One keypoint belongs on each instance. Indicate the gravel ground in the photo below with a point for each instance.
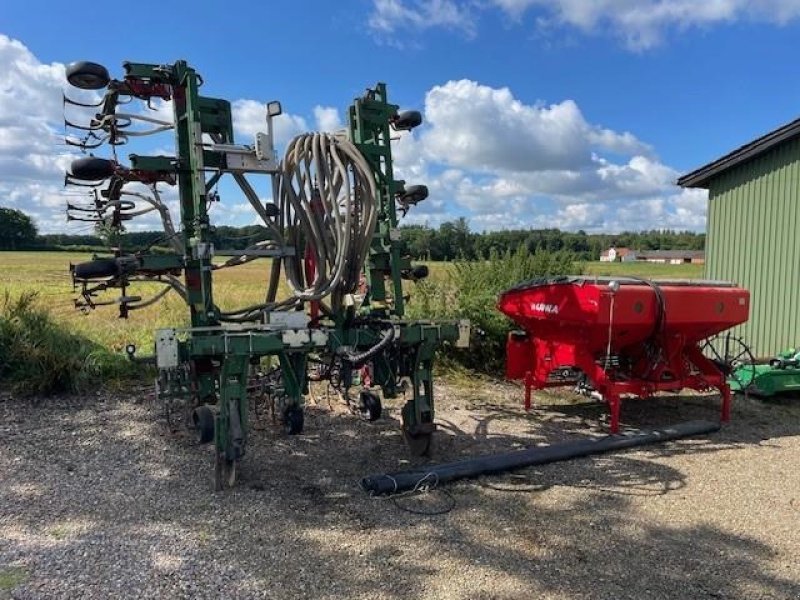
(100, 500)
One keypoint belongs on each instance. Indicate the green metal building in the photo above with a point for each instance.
(752, 238)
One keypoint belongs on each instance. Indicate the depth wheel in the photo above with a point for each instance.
(224, 473)
(87, 75)
(370, 407)
(293, 420)
(91, 168)
(203, 421)
(730, 354)
(420, 444)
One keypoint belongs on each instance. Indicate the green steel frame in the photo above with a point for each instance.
(212, 362)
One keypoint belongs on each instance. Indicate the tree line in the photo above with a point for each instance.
(454, 240)
(450, 241)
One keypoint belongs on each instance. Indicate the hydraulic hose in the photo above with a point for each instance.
(358, 359)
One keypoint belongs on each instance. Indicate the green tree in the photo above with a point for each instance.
(16, 230)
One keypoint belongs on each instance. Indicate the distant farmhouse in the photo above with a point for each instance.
(667, 257)
(614, 254)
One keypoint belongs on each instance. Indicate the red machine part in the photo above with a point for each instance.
(626, 336)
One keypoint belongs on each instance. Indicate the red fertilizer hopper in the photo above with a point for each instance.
(620, 335)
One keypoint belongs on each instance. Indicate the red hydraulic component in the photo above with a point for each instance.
(624, 336)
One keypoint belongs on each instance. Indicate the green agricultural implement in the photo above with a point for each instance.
(780, 376)
(329, 229)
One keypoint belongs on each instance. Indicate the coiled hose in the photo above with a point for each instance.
(327, 197)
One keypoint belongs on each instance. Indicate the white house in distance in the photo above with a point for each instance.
(615, 254)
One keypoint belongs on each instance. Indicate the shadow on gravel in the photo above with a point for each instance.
(100, 500)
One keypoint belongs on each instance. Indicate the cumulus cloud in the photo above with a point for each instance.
(250, 117)
(504, 163)
(327, 118)
(32, 160)
(482, 127)
(484, 154)
(640, 24)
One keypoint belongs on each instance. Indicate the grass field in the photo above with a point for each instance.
(48, 274)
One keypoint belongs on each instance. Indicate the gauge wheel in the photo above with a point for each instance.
(203, 421)
(729, 353)
(370, 406)
(87, 75)
(92, 168)
(293, 420)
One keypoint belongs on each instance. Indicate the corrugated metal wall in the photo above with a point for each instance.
(753, 221)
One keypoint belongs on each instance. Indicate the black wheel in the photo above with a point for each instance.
(293, 420)
(369, 406)
(203, 421)
(91, 168)
(87, 75)
(96, 269)
(420, 444)
(407, 120)
(729, 353)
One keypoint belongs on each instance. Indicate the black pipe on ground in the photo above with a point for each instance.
(498, 463)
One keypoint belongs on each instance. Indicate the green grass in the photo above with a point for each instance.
(440, 270)
(644, 269)
(12, 577)
(47, 273)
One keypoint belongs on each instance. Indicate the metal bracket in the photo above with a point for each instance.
(166, 349)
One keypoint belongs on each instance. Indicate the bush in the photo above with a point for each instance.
(39, 356)
(471, 290)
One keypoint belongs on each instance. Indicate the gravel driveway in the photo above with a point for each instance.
(98, 499)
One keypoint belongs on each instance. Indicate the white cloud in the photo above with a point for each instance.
(641, 24)
(481, 127)
(503, 163)
(327, 118)
(250, 117)
(483, 153)
(389, 16)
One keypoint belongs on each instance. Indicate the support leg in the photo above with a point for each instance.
(230, 430)
(725, 390)
(417, 414)
(528, 387)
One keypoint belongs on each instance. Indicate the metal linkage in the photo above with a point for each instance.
(330, 230)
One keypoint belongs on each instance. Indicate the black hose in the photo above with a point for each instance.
(498, 463)
(357, 360)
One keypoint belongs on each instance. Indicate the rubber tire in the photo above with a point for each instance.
(96, 269)
(91, 168)
(370, 406)
(203, 420)
(408, 120)
(293, 420)
(87, 75)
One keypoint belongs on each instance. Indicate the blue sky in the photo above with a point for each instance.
(563, 113)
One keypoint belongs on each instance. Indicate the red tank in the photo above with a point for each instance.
(622, 335)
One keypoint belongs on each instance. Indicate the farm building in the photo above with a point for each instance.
(614, 254)
(671, 257)
(668, 257)
(752, 235)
